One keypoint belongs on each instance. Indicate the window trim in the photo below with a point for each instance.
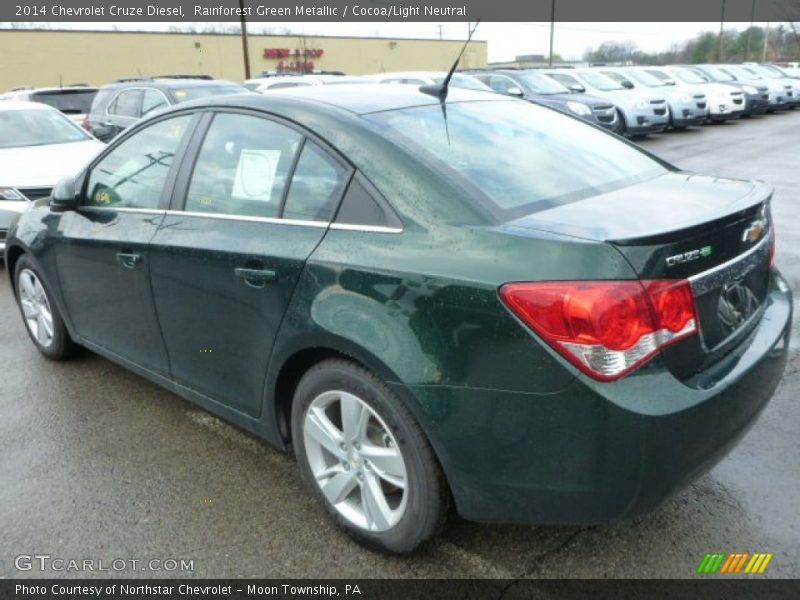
(192, 154)
(169, 182)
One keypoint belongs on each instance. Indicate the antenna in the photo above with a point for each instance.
(440, 91)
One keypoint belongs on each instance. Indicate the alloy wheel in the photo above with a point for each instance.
(35, 307)
(355, 460)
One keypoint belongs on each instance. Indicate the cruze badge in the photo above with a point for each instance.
(755, 232)
(689, 256)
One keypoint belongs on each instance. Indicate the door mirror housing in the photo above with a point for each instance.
(515, 91)
(65, 195)
(626, 84)
(577, 88)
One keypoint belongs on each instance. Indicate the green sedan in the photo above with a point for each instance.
(469, 303)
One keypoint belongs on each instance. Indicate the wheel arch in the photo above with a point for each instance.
(301, 357)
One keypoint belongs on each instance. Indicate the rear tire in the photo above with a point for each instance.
(40, 314)
(366, 458)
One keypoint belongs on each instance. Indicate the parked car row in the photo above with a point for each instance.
(650, 99)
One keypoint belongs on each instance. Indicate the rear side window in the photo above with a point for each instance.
(127, 104)
(153, 101)
(243, 167)
(133, 174)
(316, 186)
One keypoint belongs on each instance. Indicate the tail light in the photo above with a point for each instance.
(605, 328)
(86, 124)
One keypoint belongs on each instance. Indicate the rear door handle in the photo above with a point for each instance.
(129, 260)
(256, 278)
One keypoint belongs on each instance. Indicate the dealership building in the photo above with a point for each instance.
(40, 58)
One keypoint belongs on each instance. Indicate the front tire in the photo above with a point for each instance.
(39, 312)
(366, 458)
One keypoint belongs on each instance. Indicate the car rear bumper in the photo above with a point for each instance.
(595, 452)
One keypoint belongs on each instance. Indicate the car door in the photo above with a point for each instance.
(254, 199)
(102, 250)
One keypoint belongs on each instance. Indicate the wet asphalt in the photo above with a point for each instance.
(98, 463)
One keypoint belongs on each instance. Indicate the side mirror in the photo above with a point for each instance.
(65, 195)
(577, 88)
(626, 84)
(515, 91)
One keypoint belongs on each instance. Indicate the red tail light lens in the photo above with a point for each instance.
(605, 328)
(86, 124)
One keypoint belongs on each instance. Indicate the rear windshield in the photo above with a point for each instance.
(204, 91)
(19, 128)
(71, 102)
(517, 157)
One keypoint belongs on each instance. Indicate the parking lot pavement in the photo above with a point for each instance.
(99, 463)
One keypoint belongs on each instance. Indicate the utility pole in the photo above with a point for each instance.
(552, 30)
(245, 49)
(766, 44)
(750, 30)
(440, 26)
(721, 57)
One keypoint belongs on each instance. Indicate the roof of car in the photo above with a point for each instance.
(354, 98)
(23, 105)
(169, 83)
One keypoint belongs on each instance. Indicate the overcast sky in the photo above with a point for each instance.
(505, 40)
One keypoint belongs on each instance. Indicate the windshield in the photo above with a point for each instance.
(600, 81)
(719, 74)
(646, 79)
(462, 81)
(542, 84)
(517, 157)
(689, 76)
(204, 91)
(21, 128)
(743, 72)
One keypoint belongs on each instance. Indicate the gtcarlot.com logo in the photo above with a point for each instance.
(46, 562)
(736, 563)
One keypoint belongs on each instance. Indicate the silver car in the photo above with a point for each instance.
(687, 104)
(641, 112)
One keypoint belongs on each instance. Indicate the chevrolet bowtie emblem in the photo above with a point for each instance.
(755, 232)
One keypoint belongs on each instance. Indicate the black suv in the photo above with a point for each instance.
(541, 89)
(122, 103)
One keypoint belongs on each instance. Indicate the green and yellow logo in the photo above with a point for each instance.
(734, 563)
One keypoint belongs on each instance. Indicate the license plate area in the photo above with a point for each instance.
(730, 298)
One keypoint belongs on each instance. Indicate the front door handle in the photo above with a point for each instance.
(256, 278)
(129, 260)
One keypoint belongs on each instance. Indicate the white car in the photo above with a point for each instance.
(265, 84)
(75, 101)
(459, 80)
(38, 147)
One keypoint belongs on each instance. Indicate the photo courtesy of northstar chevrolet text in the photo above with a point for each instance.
(376, 292)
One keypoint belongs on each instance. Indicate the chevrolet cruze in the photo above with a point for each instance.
(431, 299)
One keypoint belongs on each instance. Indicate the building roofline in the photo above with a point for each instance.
(225, 33)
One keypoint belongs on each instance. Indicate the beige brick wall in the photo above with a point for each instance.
(50, 58)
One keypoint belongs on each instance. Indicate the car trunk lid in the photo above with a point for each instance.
(714, 232)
